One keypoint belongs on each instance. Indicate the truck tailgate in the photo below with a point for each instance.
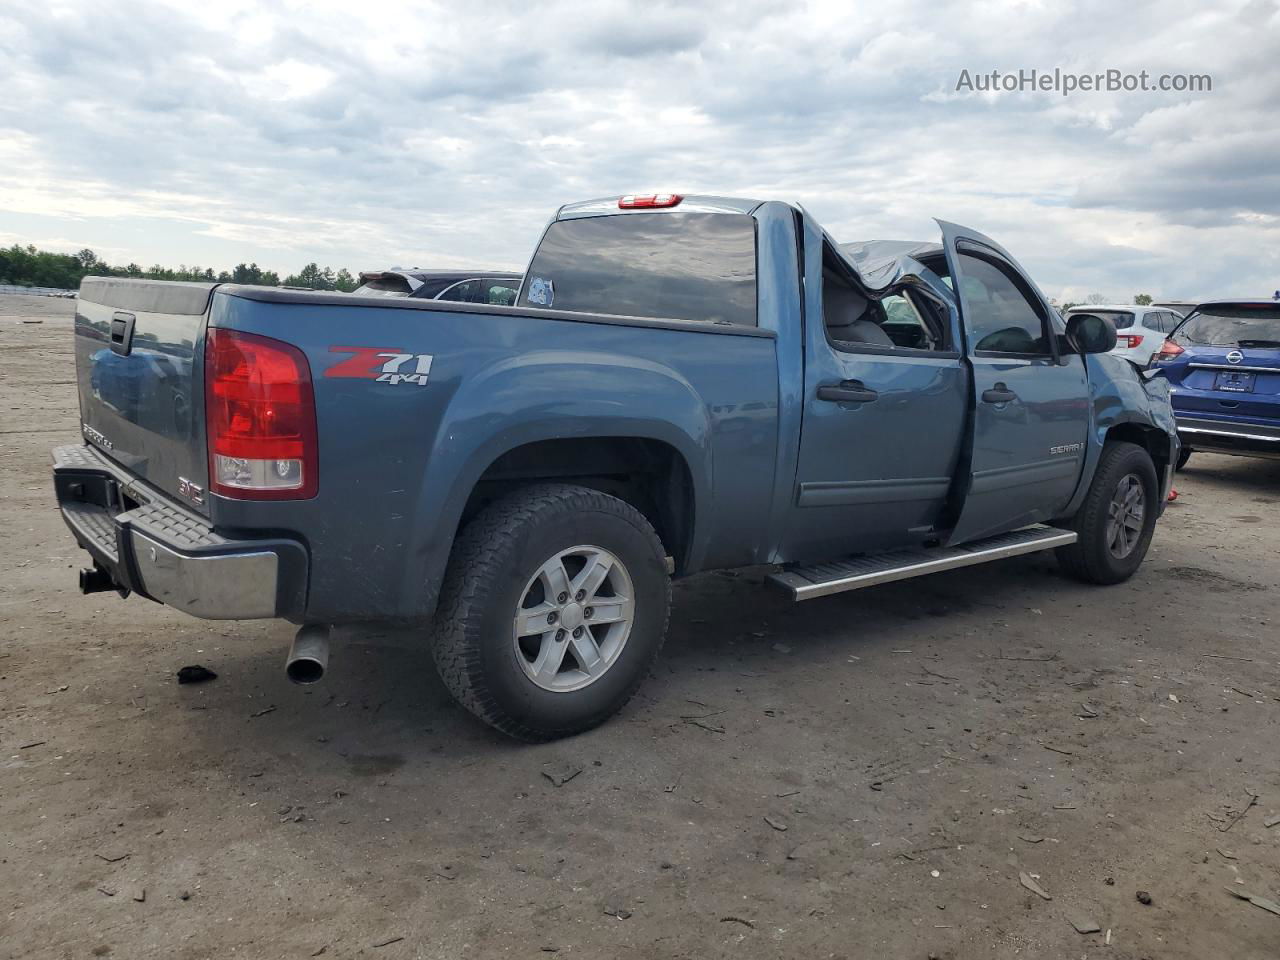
(139, 354)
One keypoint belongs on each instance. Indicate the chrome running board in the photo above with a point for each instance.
(808, 581)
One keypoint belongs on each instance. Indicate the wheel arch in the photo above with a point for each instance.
(524, 410)
(650, 474)
(1148, 436)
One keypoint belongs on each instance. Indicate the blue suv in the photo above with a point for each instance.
(1223, 367)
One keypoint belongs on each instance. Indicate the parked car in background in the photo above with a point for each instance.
(495, 288)
(1223, 368)
(1139, 330)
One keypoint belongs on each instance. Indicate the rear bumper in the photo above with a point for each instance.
(153, 547)
(1229, 436)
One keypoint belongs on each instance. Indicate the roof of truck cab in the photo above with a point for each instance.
(882, 263)
(879, 264)
(689, 203)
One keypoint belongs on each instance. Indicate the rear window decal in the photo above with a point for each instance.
(542, 292)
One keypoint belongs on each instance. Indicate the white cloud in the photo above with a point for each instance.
(447, 133)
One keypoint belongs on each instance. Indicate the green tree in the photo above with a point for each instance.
(312, 277)
(344, 281)
(1142, 299)
(246, 273)
(29, 266)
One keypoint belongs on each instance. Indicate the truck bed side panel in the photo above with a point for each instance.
(399, 460)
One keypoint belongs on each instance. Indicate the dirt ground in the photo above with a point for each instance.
(861, 776)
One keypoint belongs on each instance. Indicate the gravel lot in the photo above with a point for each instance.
(861, 776)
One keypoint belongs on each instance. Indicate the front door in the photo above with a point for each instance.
(1031, 401)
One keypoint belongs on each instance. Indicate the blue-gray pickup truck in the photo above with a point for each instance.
(683, 384)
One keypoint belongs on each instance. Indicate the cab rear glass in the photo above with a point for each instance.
(684, 266)
(1233, 326)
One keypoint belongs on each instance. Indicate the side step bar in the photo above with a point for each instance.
(807, 581)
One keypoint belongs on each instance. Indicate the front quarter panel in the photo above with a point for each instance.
(1120, 394)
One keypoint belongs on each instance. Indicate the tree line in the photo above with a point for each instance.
(29, 267)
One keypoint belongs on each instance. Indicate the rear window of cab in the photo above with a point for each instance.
(683, 266)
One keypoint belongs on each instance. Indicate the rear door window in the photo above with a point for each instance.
(685, 266)
(1256, 327)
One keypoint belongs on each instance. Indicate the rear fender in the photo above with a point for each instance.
(549, 395)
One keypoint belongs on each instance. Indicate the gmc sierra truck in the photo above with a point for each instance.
(683, 384)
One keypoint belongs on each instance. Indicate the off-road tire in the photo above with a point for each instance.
(1090, 558)
(491, 563)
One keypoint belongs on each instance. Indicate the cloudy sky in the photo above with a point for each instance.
(378, 133)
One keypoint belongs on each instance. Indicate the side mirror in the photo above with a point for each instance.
(1090, 333)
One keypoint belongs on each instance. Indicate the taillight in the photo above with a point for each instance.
(260, 417)
(1168, 350)
(1131, 340)
(632, 200)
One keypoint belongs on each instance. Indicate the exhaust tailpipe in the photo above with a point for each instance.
(309, 655)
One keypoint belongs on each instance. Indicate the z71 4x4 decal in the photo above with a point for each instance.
(383, 364)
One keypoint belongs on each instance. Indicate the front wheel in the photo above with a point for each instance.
(554, 606)
(1183, 456)
(1117, 518)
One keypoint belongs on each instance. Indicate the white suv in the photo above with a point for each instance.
(1139, 330)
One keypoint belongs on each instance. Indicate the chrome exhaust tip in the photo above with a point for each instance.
(309, 655)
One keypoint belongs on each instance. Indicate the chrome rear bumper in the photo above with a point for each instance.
(150, 546)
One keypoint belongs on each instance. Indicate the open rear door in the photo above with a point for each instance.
(1031, 405)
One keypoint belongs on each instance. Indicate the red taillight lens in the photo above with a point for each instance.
(1131, 340)
(633, 200)
(1168, 350)
(260, 417)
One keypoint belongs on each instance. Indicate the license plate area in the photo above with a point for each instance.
(1234, 381)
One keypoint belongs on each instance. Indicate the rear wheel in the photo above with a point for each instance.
(554, 607)
(1183, 456)
(1117, 518)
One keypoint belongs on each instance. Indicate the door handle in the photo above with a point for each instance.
(847, 391)
(998, 394)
